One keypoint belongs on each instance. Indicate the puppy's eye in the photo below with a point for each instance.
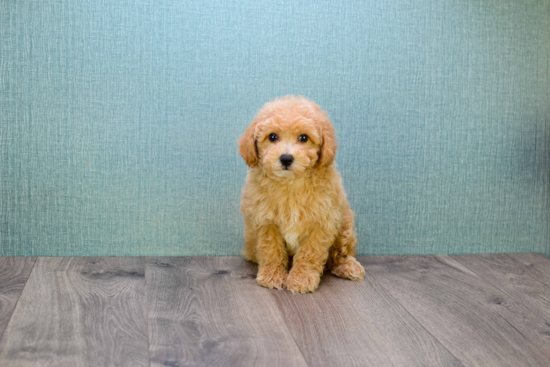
(302, 138)
(273, 137)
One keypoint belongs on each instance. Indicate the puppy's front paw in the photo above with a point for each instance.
(349, 268)
(303, 280)
(272, 277)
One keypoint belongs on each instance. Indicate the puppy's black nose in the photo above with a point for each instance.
(286, 160)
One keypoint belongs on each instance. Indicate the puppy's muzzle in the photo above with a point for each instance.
(286, 160)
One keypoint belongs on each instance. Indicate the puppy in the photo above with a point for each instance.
(293, 202)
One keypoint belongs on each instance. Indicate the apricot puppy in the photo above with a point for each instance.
(293, 202)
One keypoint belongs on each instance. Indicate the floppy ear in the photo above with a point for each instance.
(247, 146)
(329, 144)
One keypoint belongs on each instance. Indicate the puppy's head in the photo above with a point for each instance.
(289, 136)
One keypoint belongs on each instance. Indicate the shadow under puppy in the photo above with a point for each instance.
(293, 201)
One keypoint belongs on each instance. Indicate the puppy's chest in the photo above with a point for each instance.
(294, 219)
(289, 212)
(294, 212)
(292, 240)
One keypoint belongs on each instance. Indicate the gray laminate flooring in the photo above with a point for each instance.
(460, 310)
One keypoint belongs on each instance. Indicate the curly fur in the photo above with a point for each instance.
(300, 212)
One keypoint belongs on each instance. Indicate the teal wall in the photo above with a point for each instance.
(119, 120)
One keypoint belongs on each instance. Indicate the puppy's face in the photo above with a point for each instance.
(288, 146)
(288, 137)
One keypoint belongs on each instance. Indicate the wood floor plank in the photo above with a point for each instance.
(80, 312)
(348, 323)
(210, 312)
(479, 324)
(508, 275)
(537, 265)
(14, 272)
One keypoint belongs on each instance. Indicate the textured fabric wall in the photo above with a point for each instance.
(119, 120)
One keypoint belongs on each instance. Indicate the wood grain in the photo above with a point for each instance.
(472, 310)
(508, 275)
(349, 323)
(477, 322)
(14, 272)
(80, 312)
(211, 312)
(535, 264)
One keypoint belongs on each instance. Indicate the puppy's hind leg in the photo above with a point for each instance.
(341, 260)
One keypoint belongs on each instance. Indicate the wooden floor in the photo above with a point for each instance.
(464, 310)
